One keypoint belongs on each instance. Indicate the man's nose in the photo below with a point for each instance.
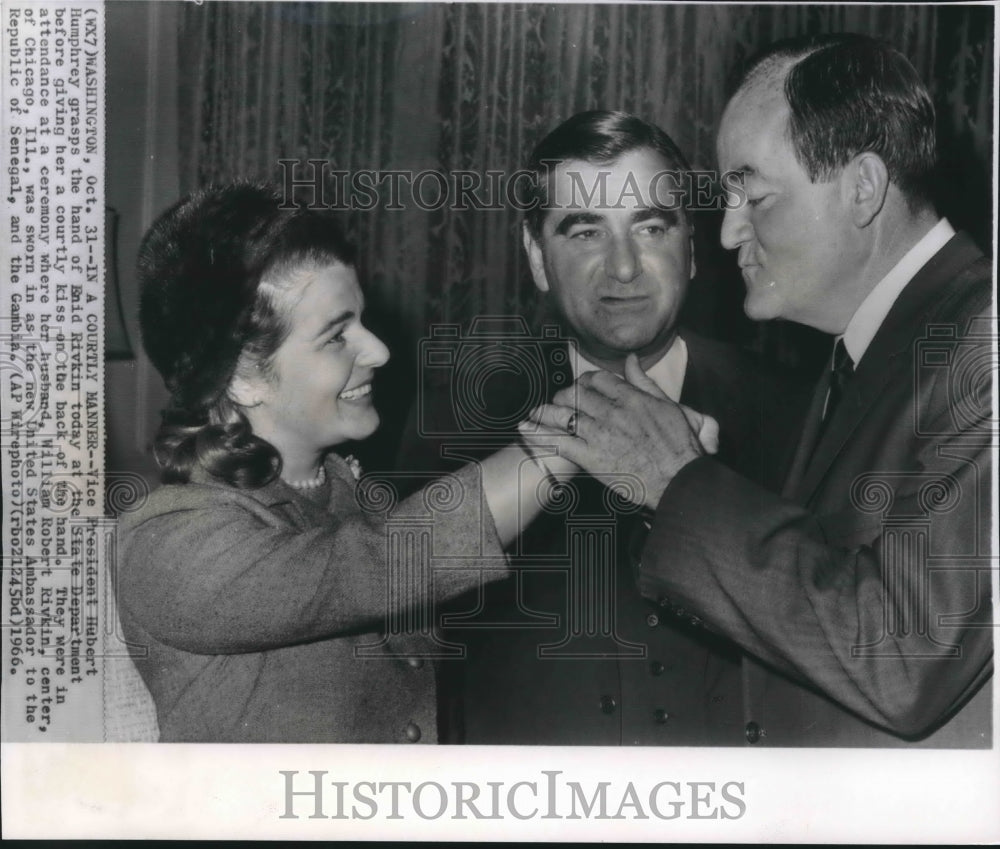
(623, 262)
(736, 227)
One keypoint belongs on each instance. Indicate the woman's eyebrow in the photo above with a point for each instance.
(347, 315)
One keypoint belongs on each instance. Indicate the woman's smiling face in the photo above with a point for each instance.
(316, 390)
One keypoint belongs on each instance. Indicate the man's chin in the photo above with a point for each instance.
(762, 304)
(616, 349)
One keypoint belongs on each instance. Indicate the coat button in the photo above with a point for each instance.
(664, 601)
(652, 620)
(415, 662)
(694, 620)
(412, 732)
(754, 732)
(656, 668)
(608, 704)
(660, 716)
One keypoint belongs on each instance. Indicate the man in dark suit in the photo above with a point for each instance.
(861, 597)
(568, 652)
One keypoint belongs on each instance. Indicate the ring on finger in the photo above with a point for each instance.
(571, 424)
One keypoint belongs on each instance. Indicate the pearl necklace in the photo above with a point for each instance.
(311, 483)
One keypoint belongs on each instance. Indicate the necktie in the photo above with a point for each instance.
(840, 373)
(836, 378)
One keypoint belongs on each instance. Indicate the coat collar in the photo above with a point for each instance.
(278, 494)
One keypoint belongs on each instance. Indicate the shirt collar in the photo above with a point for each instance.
(667, 372)
(868, 318)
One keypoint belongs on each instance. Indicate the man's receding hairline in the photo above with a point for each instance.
(769, 76)
(757, 91)
(766, 82)
(609, 163)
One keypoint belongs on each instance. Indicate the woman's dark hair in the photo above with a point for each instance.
(209, 272)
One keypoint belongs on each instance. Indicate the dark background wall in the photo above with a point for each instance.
(203, 92)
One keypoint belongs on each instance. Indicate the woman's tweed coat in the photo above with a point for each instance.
(263, 615)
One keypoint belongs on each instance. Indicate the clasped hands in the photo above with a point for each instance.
(608, 426)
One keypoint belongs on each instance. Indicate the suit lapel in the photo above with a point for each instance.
(888, 358)
(694, 382)
(710, 379)
(809, 437)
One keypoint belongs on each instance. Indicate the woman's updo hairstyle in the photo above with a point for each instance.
(204, 313)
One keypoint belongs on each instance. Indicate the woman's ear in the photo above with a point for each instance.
(244, 392)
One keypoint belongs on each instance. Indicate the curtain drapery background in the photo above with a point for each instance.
(453, 87)
(474, 86)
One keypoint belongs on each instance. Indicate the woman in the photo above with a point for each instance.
(257, 583)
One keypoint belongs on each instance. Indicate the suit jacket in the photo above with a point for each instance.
(265, 616)
(567, 652)
(862, 597)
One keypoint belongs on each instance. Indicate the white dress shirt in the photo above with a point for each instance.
(868, 318)
(667, 372)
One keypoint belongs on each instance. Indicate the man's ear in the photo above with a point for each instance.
(536, 260)
(694, 268)
(867, 184)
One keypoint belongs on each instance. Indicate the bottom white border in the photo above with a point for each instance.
(231, 791)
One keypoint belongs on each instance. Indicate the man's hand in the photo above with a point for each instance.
(624, 426)
(704, 425)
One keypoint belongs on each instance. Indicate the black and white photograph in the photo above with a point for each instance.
(596, 403)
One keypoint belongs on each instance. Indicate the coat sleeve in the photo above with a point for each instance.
(433, 442)
(217, 574)
(887, 611)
